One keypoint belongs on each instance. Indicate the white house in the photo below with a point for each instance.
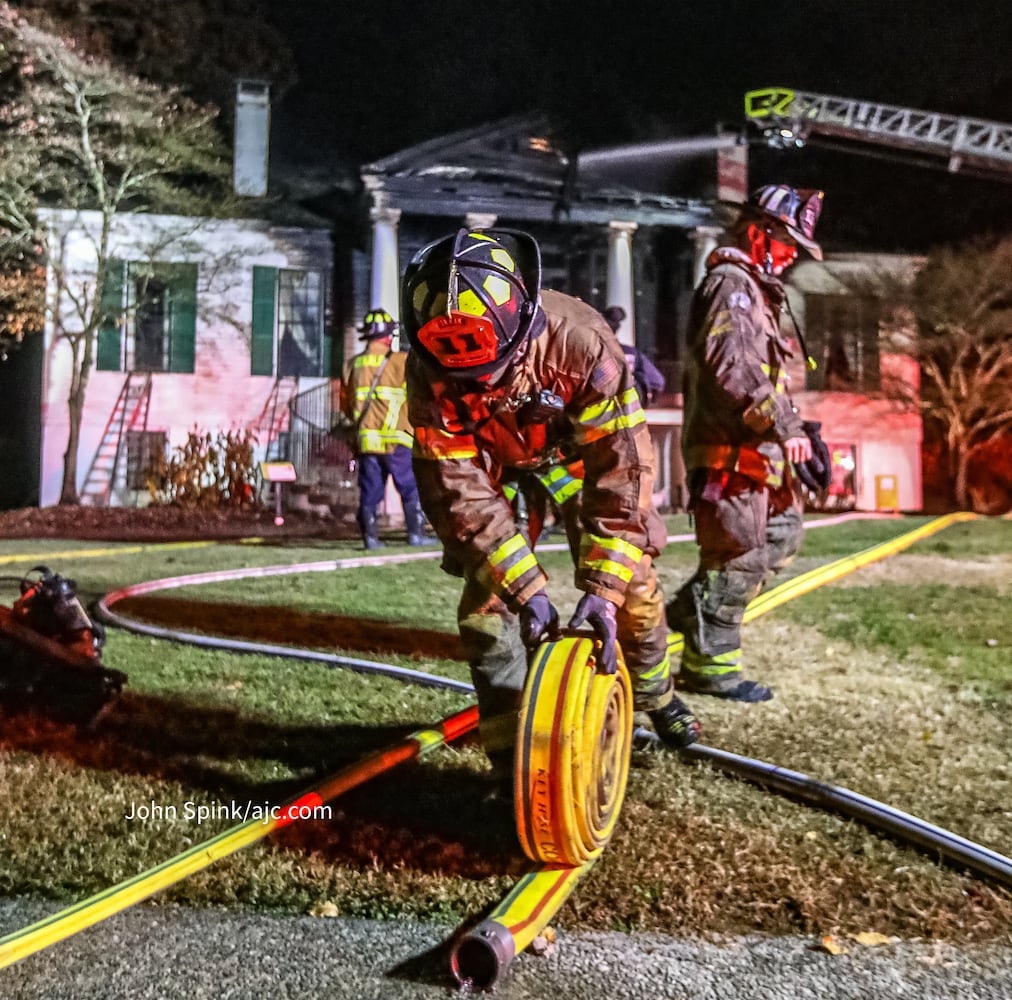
(863, 394)
(212, 324)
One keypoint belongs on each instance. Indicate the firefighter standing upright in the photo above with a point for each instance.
(373, 399)
(740, 436)
(506, 385)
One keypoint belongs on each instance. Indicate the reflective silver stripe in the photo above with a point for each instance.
(511, 561)
(560, 484)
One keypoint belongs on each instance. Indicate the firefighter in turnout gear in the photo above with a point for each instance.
(511, 387)
(740, 436)
(373, 400)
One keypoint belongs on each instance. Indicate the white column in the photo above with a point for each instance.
(620, 290)
(385, 279)
(705, 239)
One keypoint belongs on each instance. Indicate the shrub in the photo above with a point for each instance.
(207, 471)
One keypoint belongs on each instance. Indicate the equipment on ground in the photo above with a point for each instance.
(51, 653)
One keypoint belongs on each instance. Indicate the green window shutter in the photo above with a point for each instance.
(262, 346)
(182, 282)
(110, 330)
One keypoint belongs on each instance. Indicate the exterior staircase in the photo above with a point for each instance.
(324, 463)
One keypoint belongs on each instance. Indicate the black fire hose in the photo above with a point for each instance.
(874, 814)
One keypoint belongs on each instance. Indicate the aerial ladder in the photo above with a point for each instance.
(791, 118)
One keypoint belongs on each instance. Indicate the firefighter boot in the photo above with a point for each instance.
(414, 523)
(675, 724)
(368, 526)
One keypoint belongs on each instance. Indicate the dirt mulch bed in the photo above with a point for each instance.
(166, 523)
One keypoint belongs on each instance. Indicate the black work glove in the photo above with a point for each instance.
(538, 616)
(599, 614)
(817, 472)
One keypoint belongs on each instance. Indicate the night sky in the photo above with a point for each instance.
(376, 77)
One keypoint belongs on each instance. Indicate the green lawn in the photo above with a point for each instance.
(895, 682)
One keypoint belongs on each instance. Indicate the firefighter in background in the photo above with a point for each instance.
(740, 436)
(508, 385)
(373, 400)
(649, 381)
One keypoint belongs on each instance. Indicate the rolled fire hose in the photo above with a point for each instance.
(572, 759)
(574, 736)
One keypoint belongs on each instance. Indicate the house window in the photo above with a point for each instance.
(149, 317)
(288, 323)
(842, 334)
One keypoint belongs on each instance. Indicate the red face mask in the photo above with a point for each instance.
(770, 253)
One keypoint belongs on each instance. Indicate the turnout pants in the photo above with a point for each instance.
(491, 636)
(375, 469)
(746, 532)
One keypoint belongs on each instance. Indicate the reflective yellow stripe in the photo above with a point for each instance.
(369, 360)
(596, 411)
(379, 440)
(515, 572)
(623, 572)
(511, 561)
(507, 549)
(611, 415)
(620, 546)
(441, 446)
(719, 665)
(661, 670)
(389, 393)
(614, 556)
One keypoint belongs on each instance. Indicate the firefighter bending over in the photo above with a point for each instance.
(508, 384)
(740, 436)
(372, 398)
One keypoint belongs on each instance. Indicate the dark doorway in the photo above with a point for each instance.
(21, 424)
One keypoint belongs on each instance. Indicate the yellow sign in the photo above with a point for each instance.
(768, 101)
(278, 472)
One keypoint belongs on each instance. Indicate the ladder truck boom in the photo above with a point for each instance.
(791, 118)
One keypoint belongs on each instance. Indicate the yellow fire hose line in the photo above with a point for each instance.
(124, 550)
(121, 550)
(481, 956)
(63, 924)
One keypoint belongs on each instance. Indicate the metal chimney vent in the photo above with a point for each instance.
(252, 129)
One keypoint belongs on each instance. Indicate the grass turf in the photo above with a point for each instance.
(886, 683)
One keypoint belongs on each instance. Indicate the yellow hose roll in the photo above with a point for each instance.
(573, 743)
